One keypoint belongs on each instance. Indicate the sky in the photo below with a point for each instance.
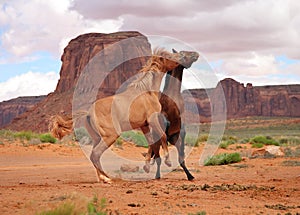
(252, 41)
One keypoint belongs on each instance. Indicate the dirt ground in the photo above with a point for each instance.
(36, 178)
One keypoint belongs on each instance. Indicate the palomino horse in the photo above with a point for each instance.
(172, 107)
(105, 120)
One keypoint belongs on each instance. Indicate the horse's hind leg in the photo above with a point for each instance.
(95, 156)
(155, 128)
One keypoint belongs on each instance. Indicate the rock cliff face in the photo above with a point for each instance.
(12, 108)
(79, 52)
(241, 101)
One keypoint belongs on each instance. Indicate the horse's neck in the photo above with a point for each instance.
(173, 81)
(157, 77)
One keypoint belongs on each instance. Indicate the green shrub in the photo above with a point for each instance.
(283, 141)
(191, 141)
(6, 134)
(224, 145)
(94, 207)
(245, 140)
(119, 142)
(64, 209)
(136, 137)
(257, 145)
(47, 138)
(202, 138)
(24, 135)
(81, 133)
(231, 139)
(267, 140)
(223, 159)
(198, 213)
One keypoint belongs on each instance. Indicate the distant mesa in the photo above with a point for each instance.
(33, 113)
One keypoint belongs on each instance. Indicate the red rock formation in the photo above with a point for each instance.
(12, 108)
(79, 52)
(241, 101)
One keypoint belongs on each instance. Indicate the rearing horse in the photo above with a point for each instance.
(172, 107)
(137, 107)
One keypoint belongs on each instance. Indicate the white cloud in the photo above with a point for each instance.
(253, 65)
(28, 84)
(32, 26)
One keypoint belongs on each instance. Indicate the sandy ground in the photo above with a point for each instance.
(41, 177)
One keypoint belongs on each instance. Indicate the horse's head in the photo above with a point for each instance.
(187, 58)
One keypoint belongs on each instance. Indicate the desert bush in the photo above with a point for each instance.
(245, 140)
(94, 207)
(231, 139)
(267, 140)
(64, 209)
(223, 159)
(224, 145)
(202, 138)
(136, 137)
(198, 213)
(191, 141)
(47, 138)
(119, 142)
(81, 133)
(257, 145)
(25, 135)
(7, 134)
(288, 152)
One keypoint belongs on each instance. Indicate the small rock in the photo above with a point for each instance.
(275, 150)
(129, 191)
(129, 168)
(154, 193)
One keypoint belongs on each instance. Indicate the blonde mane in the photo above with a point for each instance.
(157, 61)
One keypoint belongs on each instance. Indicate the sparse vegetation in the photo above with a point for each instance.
(257, 145)
(192, 141)
(47, 138)
(266, 140)
(198, 213)
(93, 207)
(28, 136)
(223, 159)
(81, 133)
(136, 137)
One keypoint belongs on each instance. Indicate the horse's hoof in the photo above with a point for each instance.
(168, 163)
(152, 161)
(105, 179)
(146, 168)
(191, 178)
(157, 177)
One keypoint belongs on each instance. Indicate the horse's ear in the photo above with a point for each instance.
(174, 51)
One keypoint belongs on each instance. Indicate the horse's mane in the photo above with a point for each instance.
(155, 64)
(157, 61)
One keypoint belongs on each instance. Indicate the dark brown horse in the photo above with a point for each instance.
(172, 107)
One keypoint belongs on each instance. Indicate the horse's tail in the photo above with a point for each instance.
(62, 125)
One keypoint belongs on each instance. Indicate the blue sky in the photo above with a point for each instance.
(254, 41)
